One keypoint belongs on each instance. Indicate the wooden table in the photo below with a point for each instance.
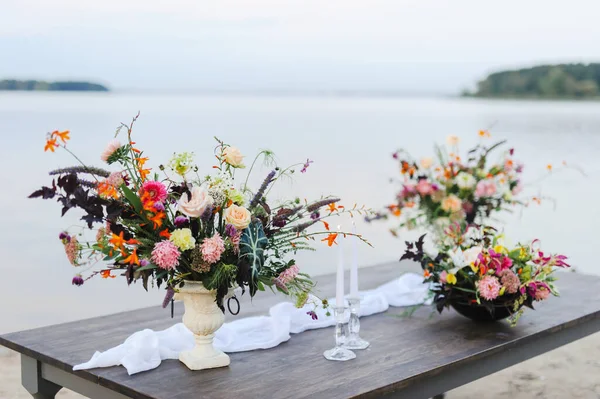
(416, 357)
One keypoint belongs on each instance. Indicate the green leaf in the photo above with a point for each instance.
(133, 199)
(149, 266)
(252, 250)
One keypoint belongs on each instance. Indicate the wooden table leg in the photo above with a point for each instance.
(31, 378)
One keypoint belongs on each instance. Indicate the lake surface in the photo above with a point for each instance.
(350, 140)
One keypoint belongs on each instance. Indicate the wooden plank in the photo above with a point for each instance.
(405, 352)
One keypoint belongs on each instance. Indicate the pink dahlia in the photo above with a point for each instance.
(289, 274)
(485, 188)
(165, 255)
(424, 187)
(538, 290)
(115, 179)
(542, 293)
(235, 240)
(212, 248)
(488, 287)
(510, 281)
(110, 149)
(154, 191)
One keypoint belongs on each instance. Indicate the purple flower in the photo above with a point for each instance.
(180, 221)
(168, 296)
(306, 165)
(64, 236)
(77, 280)
(315, 215)
(144, 262)
(313, 315)
(395, 155)
(159, 206)
(279, 222)
(230, 230)
(511, 151)
(519, 168)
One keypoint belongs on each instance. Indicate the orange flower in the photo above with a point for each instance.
(106, 274)
(141, 161)
(144, 173)
(395, 209)
(157, 219)
(132, 241)
(64, 136)
(326, 225)
(51, 144)
(330, 239)
(106, 190)
(549, 167)
(484, 133)
(165, 233)
(426, 273)
(117, 240)
(332, 207)
(132, 259)
(148, 205)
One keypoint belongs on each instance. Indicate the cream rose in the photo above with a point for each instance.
(451, 203)
(233, 157)
(452, 140)
(196, 205)
(238, 216)
(426, 162)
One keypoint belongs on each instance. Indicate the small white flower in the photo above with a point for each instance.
(465, 181)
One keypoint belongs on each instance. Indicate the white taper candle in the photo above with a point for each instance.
(339, 287)
(354, 265)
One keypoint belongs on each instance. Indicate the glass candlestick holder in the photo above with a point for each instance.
(353, 339)
(339, 353)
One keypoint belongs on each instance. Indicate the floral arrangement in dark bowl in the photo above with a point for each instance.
(197, 236)
(482, 279)
(452, 188)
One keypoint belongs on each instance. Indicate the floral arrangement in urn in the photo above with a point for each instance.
(483, 280)
(189, 233)
(451, 188)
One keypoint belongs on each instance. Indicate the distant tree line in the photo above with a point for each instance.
(31, 85)
(545, 81)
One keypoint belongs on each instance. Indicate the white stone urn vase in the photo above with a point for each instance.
(203, 317)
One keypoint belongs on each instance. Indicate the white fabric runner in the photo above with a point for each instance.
(144, 350)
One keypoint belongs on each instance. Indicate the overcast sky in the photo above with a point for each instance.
(405, 45)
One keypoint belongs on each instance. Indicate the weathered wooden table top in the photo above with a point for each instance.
(408, 356)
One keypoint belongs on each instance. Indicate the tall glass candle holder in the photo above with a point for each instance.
(339, 353)
(353, 340)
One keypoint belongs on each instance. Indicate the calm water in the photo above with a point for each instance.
(350, 140)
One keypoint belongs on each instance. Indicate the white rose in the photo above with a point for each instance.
(426, 162)
(233, 157)
(471, 254)
(195, 206)
(465, 181)
(458, 258)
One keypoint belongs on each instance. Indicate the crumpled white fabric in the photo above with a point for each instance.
(144, 350)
